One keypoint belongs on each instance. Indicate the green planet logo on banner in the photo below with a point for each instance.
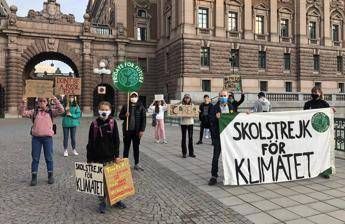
(128, 77)
(320, 122)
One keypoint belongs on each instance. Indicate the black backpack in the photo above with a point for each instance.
(50, 112)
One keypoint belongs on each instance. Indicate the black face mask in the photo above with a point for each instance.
(314, 96)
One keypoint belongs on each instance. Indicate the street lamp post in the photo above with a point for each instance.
(102, 71)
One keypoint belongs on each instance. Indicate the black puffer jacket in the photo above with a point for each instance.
(140, 117)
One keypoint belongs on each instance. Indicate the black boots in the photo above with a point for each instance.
(50, 178)
(33, 179)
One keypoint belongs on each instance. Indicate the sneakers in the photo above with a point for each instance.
(75, 152)
(193, 156)
(157, 141)
(138, 167)
(199, 143)
(184, 156)
(120, 205)
(33, 179)
(102, 207)
(212, 181)
(50, 178)
(65, 153)
(165, 142)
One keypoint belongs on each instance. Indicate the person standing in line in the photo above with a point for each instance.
(187, 124)
(70, 122)
(221, 107)
(317, 102)
(103, 145)
(234, 104)
(42, 132)
(159, 107)
(136, 117)
(204, 109)
(262, 104)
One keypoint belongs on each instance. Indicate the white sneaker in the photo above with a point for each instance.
(75, 152)
(165, 141)
(157, 141)
(65, 153)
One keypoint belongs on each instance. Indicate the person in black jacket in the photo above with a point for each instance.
(103, 144)
(136, 117)
(317, 102)
(234, 104)
(204, 109)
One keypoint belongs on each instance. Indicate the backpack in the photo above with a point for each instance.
(96, 128)
(50, 112)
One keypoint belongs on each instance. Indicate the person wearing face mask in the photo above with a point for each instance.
(70, 122)
(221, 107)
(317, 102)
(136, 117)
(234, 104)
(103, 145)
(204, 109)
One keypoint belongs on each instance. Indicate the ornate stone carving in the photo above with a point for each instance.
(121, 31)
(51, 12)
(12, 17)
(87, 23)
(142, 4)
(337, 4)
(315, 3)
(51, 44)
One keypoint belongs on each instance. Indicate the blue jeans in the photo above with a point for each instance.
(37, 143)
(66, 132)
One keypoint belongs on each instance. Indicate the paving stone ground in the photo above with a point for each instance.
(163, 195)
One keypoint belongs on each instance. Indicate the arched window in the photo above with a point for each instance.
(142, 25)
(233, 18)
(336, 28)
(261, 15)
(285, 24)
(141, 13)
(314, 25)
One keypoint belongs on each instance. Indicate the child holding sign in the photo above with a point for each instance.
(103, 144)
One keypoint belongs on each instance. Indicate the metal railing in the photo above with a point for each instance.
(339, 128)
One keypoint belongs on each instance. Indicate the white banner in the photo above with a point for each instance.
(276, 146)
(89, 178)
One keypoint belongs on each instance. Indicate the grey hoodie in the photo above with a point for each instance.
(262, 105)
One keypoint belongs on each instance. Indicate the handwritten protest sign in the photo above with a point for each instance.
(233, 83)
(276, 146)
(119, 182)
(67, 86)
(183, 110)
(39, 88)
(89, 178)
(159, 97)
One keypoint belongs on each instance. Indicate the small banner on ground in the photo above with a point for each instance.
(233, 83)
(39, 88)
(119, 182)
(183, 110)
(67, 86)
(89, 178)
(277, 146)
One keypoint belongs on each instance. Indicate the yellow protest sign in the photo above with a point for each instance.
(183, 110)
(39, 88)
(119, 181)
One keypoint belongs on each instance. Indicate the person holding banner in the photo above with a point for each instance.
(159, 107)
(221, 107)
(187, 124)
(103, 144)
(134, 124)
(204, 109)
(317, 102)
(234, 104)
(70, 122)
(42, 132)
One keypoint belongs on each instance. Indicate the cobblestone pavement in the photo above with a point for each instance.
(162, 195)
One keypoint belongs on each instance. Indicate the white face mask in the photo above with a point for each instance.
(71, 100)
(134, 99)
(104, 114)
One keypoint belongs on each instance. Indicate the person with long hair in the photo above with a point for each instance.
(70, 122)
(187, 124)
(158, 107)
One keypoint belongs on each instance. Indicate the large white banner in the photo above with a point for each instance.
(276, 146)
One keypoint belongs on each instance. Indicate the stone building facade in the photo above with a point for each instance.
(183, 46)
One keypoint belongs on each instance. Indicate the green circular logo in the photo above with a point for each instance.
(320, 122)
(128, 77)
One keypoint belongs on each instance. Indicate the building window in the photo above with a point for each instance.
(205, 56)
(284, 28)
(168, 27)
(232, 20)
(141, 13)
(339, 63)
(263, 86)
(316, 62)
(141, 33)
(288, 87)
(203, 18)
(287, 61)
(262, 59)
(235, 58)
(312, 30)
(259, 25)
(318, 84)
(206, 85)
(143, 64)
(341, 87)
(335, 32)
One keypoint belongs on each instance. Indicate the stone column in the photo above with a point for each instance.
(248, 20)
(301, 22)
(121, 98)
(219, 19)
(188, 17)
(274, 21)
(86, 78)
(121, 15)
(326, 24)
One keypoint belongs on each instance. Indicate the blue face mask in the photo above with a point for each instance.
(223, 100)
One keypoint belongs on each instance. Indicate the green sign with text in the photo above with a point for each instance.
(128, 77)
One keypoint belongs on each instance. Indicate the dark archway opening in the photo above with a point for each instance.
(2, 102)
(103, 92)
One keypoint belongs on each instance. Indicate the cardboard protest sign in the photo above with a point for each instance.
(276, 146)
(39, 88)
(89, 178)
(233, 83)
(119, 182)
(67, 86)
(183, 110)
(159, 97)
